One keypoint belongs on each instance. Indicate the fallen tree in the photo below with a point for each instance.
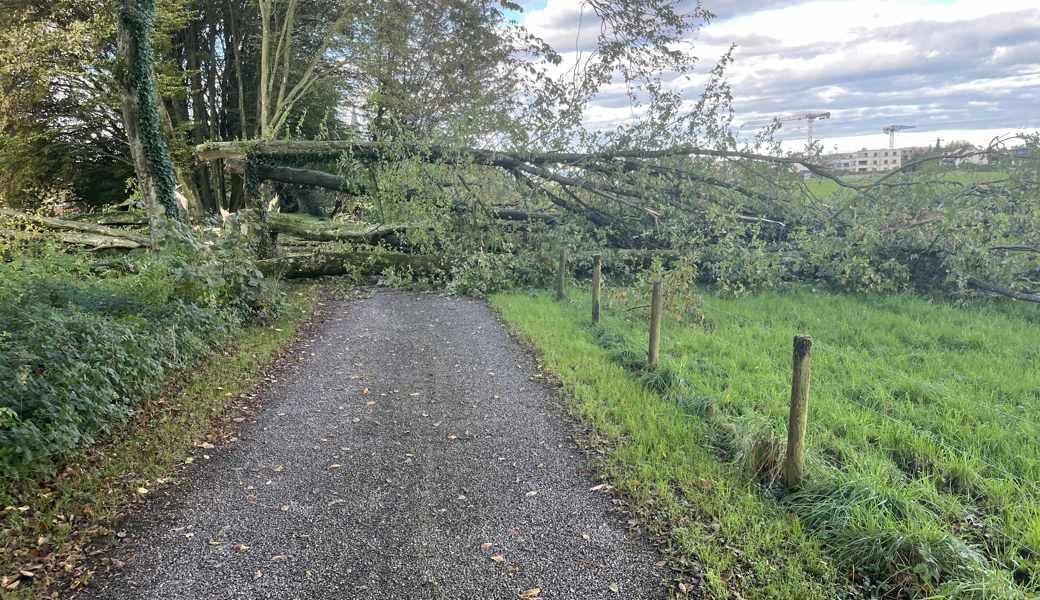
(336, 183)
(749, 219)
(360, 263)
(80, 233)
(329, 231)
(87, 240)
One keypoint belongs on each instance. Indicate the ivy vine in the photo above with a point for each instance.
(138, 20)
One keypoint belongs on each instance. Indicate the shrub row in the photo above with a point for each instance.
(79, 352)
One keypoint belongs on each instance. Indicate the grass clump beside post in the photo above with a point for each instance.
(923, 460)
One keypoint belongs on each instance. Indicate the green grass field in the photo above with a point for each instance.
(923, 460)
(821, 188)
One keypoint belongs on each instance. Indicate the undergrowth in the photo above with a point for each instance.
(51, 523)
(82, 345)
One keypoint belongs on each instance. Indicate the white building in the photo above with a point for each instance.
(886, 159)
(869, 161)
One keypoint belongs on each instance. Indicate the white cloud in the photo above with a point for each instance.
(950, 67)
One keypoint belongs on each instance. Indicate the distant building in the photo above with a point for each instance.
(886, 159)
(868, 161)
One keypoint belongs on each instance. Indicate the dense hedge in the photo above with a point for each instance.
(78, 352)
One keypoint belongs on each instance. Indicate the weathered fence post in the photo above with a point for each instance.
(561, 282)
(656, 308)
(794, 464)
(597, 283)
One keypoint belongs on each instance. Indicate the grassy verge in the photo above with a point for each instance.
(48, 525)
(923, 451)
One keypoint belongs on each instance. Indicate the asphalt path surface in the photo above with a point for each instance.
(406, 451)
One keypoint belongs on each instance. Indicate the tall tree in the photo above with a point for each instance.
(156, 180)
(293, 59)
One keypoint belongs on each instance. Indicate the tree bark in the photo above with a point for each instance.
(151, 156)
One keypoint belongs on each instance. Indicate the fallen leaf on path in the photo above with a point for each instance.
(615, 588)
(142, 491)
(486, 546)
(213, 542)
(334, 466)
(279, 468)
(284, 508)
(452, 436)
(532, 593)
(603, 487)
(364, 392)
(498, 558)
(370, 403)
(243, 548)
(531, 493)
(279, 557)
(259, 574)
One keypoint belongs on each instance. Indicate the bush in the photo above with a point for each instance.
(79, 351)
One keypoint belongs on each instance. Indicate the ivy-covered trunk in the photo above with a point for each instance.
(155, 176)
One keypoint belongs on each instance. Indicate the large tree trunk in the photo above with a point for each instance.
(327, 231)
(349, 263)
(328, 181)
(155, 176)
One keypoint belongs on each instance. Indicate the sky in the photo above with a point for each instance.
(954, 69)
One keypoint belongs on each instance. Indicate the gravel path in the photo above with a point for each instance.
(453, 477)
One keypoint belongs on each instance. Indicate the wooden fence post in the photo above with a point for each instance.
(561, 282)
(794, 464)
(656, 308)
(597, 283)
